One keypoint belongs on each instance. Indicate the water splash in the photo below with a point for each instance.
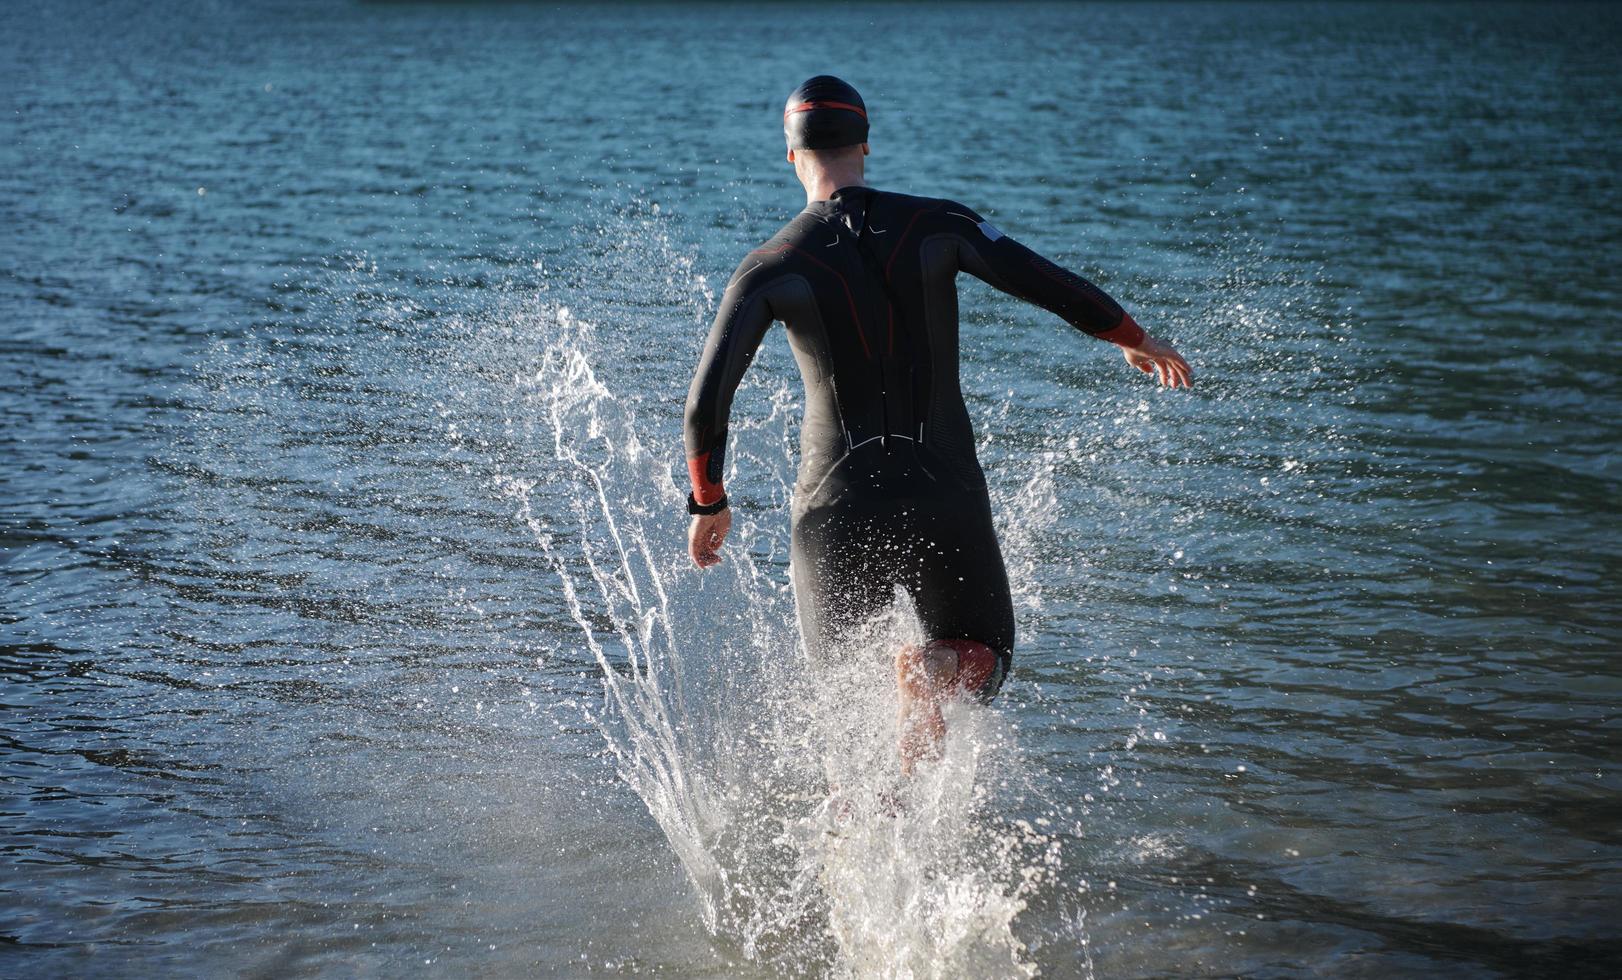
(775, 783)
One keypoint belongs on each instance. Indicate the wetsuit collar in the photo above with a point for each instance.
(841, 196)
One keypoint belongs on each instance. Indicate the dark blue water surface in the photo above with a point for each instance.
(1318, 662)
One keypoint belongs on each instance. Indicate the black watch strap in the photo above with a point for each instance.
(694, 507)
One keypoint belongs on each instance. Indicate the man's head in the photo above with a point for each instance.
(825, 125)
(824, 113)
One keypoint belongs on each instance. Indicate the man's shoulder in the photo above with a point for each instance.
(773, 256)
(791, 233)
(945, 208)
(915, 202)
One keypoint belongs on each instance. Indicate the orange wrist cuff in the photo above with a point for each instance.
(1127, 333)
(704, 490)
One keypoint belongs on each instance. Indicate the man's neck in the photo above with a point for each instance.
(822, 186)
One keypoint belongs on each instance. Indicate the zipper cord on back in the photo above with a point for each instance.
(871, 261)
(876, 270)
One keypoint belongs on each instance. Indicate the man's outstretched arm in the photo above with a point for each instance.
(987, 254)
(739, 326)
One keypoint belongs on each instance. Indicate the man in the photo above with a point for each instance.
(889, 490)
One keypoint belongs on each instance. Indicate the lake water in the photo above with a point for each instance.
(347, 627)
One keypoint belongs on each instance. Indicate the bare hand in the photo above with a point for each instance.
(706, 535)
(1161, 359)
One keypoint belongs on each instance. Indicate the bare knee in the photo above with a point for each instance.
(949, 667)
(926, 670)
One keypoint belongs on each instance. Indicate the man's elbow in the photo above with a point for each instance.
(695, 415)
(698, 421)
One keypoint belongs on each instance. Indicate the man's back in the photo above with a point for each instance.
(890, 495)
(866, 284)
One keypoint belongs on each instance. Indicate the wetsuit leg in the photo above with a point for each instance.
(961, 591)
(843, 567)
(848, 558)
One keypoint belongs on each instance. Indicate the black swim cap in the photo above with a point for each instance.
(824, 113)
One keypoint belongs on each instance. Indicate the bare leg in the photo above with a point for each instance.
(924, 677)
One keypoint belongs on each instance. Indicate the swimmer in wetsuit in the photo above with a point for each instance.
(889, 491)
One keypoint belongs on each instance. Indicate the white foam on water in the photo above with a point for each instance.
(775, 782)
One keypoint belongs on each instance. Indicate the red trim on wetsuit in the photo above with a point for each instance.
(976, 665)
(904, 233)
(855, 317)
(894, 254)
(704, 490)
(808, 106)
(1127, 333)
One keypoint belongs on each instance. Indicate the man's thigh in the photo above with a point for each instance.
(843, 567)
(962, 590)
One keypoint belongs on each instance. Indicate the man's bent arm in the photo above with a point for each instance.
(987, 254)
(739, 326)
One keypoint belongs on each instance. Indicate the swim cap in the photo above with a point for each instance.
(824, 113)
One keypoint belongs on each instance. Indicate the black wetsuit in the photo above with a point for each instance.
(889, 490)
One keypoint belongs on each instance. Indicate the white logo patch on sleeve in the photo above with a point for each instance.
(989, 230)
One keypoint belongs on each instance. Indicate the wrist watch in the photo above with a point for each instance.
(694, 507)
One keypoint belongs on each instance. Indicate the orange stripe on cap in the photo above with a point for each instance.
(808, 106)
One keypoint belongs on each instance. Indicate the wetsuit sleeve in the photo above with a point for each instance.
(987, 254)
(740, 324)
